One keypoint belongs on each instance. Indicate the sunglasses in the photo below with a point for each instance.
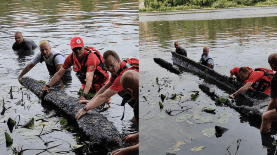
(111, 66)
(42, 42)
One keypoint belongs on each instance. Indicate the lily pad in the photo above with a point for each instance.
(41, 81)
(208, 132)
(149, 116)
(176, 147)
(173, 96)
(162, 115)
(210, 108)
(222, 120)
(226, 114)
(77, 146)
(161, 105)
(204, 119)
(183, 118)
(63, 122)
(197, 148)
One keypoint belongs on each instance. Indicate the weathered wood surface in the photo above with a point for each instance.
(93, 124)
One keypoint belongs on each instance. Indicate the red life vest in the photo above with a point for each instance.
(130, 63)
(99, 74)
(264, 83)
(127, 98)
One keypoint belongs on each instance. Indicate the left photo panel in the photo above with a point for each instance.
(69, 75)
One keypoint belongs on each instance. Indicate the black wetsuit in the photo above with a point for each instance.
(26, 45)
(181, 51)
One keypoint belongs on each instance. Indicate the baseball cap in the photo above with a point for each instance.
(76, 42)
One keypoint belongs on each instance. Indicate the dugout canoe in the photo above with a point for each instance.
(101, 132)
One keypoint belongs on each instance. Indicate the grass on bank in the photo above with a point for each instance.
(154, 5)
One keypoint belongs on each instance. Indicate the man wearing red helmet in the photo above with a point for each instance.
(87, 62)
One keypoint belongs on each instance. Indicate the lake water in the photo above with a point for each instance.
(236, 37)
(104, 25)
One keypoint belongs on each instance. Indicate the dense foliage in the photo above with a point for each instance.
(162, 5)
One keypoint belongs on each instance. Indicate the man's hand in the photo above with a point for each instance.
(122, 151)
(131, 139)
(80, 113)
(44, 91)
(232, 96)
(83, 101)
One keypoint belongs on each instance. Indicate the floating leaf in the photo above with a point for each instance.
(273, 143)
(226, 114)
(225, 96)
(206, 71)
(222, 120)
(208, 132)
(176, 147)
(210, 108)
(212, 90)
(173, 96)
(197, 148)
(149, 116)
(162, 97)
(161, 105)
(11, 123)
(41, 81)
(162, 115)
(63, 122)
(206, 119)
(183, 117)
(189, 122)
(8, 138)
(77, 146)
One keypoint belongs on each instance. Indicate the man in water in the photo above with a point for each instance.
(180, 50)
(53, 60)
(87, 62)
(206, 58)
(130, 83)
(259, 80)
(271, 112)
(116, 67)
(235, 72)
(23, 44)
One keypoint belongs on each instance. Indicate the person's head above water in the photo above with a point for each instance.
(176, 45)
(130, 82)
(206, 51)
(18, 37)
(45, 48)
(244, 73)
(111, 61)
(272, 60)
(78, 47)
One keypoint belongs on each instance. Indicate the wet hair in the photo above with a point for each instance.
(112, 53)
(244, 70)
(17, 32)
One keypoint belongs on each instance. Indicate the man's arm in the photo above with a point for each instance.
(25, 70)
(99, 100)
(242, 89)
(54, 80)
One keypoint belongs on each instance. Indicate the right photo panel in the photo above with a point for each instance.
(207, 83)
